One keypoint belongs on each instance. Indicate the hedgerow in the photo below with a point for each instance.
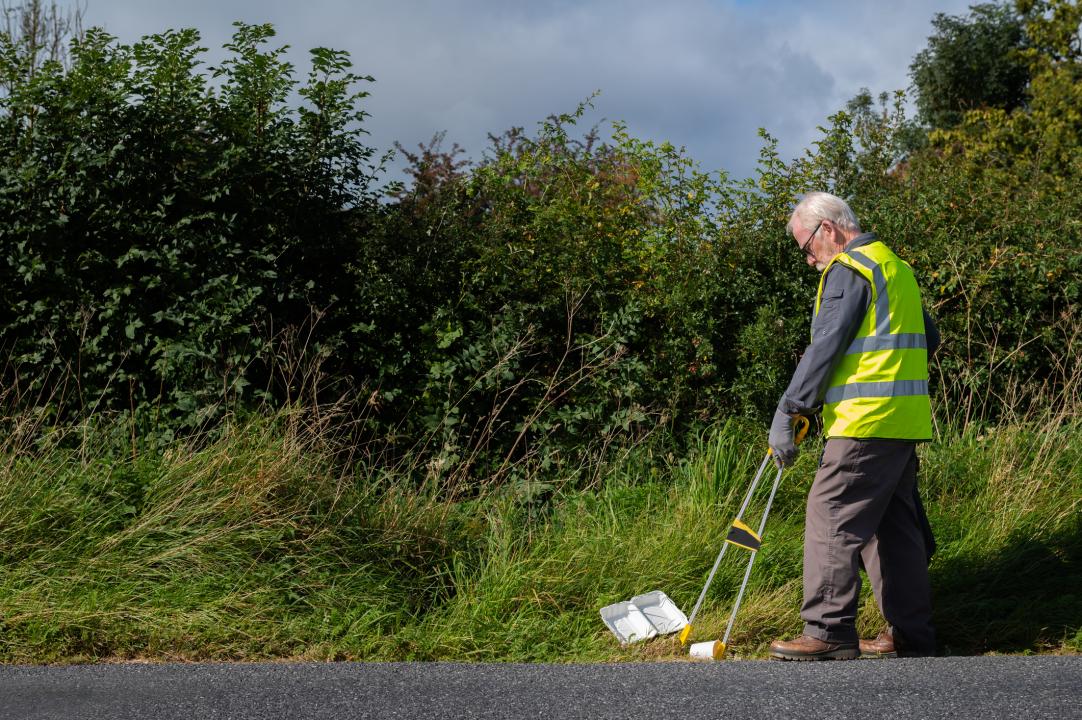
(179, 241)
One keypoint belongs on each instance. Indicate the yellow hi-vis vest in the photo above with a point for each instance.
(880, 387)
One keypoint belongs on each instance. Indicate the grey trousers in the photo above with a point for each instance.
(862, 511)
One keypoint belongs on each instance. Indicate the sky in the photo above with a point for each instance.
(702, 74)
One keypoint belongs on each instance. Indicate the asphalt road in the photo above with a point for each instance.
(971, 687)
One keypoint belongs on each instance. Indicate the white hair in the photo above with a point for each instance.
(818, 206)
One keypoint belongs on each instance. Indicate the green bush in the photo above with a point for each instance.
(162, 227)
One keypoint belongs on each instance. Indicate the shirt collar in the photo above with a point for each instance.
(860, 240)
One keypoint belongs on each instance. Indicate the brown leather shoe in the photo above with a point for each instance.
(881, 647)
(809, 648)
(887, 645)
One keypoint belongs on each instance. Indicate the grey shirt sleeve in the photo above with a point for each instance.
(846, 296)
(931, 333)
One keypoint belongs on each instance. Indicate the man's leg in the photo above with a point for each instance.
(851, 492)
(869, 560)
(896, 561)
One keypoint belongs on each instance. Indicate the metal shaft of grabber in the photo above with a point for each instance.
(751, 560)
(725, 545)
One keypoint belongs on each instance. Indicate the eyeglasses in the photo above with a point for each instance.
(804, 247)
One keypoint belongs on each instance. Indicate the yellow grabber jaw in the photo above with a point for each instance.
(684, 634)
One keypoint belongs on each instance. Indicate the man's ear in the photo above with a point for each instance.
(836, 234)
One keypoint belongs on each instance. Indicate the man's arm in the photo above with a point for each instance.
(931, 333)
(846, 296)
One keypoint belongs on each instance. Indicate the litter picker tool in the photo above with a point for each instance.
(741, 535)
(653, 613)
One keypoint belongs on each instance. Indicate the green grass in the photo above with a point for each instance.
(260, 545)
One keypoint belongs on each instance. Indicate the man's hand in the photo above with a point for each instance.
(781, 440)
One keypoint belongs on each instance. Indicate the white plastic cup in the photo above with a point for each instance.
(706, 650)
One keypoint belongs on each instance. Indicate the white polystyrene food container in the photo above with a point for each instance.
(660, 611)
(644, 617)
(627, 622)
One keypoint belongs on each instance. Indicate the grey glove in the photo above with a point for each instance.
(781, 440)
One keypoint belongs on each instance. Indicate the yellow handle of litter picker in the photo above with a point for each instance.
(802, 425)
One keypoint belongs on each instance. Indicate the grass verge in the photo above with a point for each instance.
(263, 544)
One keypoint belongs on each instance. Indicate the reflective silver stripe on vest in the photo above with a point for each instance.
(901, 341)
(897, 388)
(882, 301)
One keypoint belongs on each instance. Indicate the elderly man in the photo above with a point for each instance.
(866, 369)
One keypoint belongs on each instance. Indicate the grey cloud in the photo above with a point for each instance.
(697, 73)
